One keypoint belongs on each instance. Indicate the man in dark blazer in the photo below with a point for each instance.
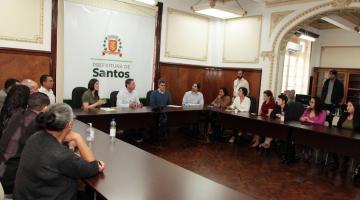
(332, 92)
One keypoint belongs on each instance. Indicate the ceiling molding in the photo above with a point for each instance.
(276, 3)
(276, 17)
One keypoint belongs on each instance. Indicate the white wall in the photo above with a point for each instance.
(22, 21)
(216, 34)
(335, 38)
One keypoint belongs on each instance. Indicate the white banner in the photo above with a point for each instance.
(108, 45)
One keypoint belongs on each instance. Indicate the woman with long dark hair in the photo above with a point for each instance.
(351, 118)
(16, 99)
(315, 114)
(90, 98)
(223, 99)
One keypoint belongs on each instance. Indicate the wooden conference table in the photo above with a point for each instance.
(133, 174)
(331, 139)
(144, 117)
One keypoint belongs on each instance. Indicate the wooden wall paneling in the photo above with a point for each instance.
(53, 57)
(21, 64)
(180, 78)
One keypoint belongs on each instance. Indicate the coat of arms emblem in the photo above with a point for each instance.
(112, 46)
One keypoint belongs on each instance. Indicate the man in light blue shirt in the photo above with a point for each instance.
(128, 98)
(193, 97)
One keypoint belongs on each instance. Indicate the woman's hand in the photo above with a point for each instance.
(101, 166)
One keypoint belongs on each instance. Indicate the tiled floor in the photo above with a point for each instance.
(259, 174)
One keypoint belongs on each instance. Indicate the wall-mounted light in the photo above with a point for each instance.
(218, 8)
(306, 35)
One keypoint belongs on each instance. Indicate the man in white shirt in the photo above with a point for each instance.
(193, 97)
(47, 84)
(128, 98)
(240, 81)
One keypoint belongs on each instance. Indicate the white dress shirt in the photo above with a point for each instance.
(49, 93)
(124, 98)
(240, 83)
(193, 98)
(243, 106)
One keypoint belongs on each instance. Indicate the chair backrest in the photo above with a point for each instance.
(76, 97)
(253, 105)
(113, 98)
(294, 111)
(148, 94)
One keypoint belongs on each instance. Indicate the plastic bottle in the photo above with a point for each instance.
(282, 118)
(112, 130)
(90, 133)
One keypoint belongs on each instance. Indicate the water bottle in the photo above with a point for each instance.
(90, 133)
(112, 129)
(282, 118)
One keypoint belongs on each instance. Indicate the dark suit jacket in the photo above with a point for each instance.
(337, 93)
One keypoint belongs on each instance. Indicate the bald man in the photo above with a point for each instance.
(33, 86)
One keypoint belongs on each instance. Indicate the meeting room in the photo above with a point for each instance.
(179, 99)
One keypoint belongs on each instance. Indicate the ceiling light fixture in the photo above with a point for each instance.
(306, 35)
(150, 2)
(218, 8)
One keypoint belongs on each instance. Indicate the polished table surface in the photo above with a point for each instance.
(145, 109)
(144, 117)
(133, 174)
(332, 139)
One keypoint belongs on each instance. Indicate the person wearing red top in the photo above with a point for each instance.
(266, 108)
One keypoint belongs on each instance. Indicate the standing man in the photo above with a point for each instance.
(128, 98)
(332, 92)
(160, 97)
(194, 96)
(47, 83)
(239, 82)
(3, 93)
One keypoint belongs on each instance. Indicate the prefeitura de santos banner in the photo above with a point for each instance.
(108, 45)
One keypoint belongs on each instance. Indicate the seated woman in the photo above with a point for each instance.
(15, 100)
(276, 113)
(55, 171)
(223, 99)
(20, 127)
(315, 113)
(351, 118)
(241, 103)
(266, 108)
(90, 98)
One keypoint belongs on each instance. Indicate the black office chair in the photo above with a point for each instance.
(253, 105)
(76, 96)
(147, 101)
(294, 111)
(113, 98)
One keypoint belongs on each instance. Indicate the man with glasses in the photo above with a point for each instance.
(160, 97)
(193, 97)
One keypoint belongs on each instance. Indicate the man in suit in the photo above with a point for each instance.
(332, 92)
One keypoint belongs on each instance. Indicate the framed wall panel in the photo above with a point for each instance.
(187, 36)
(23, 20)
(340, 56)
(242, 40)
